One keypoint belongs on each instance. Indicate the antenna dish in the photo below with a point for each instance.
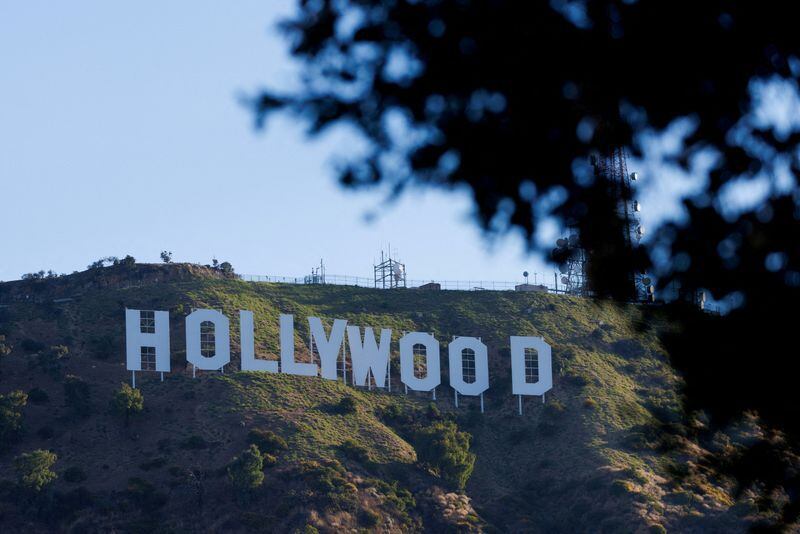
(564, 280)
(561, 242)
(634, 176)
(637, 206)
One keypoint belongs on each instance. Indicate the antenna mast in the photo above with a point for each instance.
(613, 168)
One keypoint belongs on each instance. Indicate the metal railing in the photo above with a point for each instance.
(345, 280)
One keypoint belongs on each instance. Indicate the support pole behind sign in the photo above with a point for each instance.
(162, 376)
(456, 392)
(481, 402)
(133, 379)
(434, 393)
(542, 398)
(520, 404)
(194, 371)
(344, 362)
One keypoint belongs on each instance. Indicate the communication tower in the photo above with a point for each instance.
(317, 275)
(613, 169)
(389, 273)
(573, 270)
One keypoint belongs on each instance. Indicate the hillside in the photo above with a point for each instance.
(609, 451)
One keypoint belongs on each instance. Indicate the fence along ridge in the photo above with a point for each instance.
(335, 279)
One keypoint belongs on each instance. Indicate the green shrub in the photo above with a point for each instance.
(267, 440)
(59, 351)
(600, 334)
(554, 409)
(329, 482)
(576, 379)
(246, 471)
(38, 396)
(446, 450)
(33, 469)
(399, 499)
(391, 412)
(74, 474)
(77, 395)
(51, 360)
(621, 487)
(369, 518)
(127, 401)
(354, 451)
(5, 349)
(347, 405)
(11, 406)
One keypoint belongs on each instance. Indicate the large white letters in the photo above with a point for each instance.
(329, 348)
(136, 339)
(222, 339)
(456, 353)
(433, 376)
(368, 356)
(288, 364)
(519, 386)
(148, 349)
(247, 342)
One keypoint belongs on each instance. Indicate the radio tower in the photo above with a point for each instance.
(613, 170)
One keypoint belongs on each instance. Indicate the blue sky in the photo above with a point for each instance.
(121, 132)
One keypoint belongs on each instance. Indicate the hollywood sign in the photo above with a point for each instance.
(208, 348)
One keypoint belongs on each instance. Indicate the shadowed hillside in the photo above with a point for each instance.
(609, 451)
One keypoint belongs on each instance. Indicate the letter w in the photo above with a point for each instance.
(368, 356)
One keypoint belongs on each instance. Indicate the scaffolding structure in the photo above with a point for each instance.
(389, 273)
